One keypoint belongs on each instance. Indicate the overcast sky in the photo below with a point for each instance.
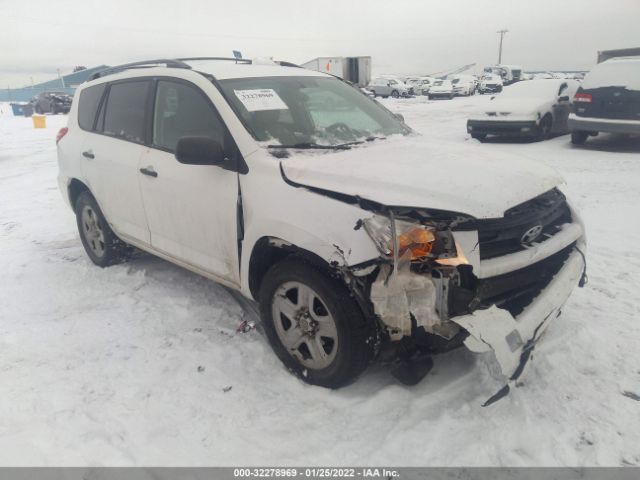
(403, 36)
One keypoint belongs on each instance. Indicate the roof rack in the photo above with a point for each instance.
(284, 63)
(176, 63)
(144, 64)
(228, 59)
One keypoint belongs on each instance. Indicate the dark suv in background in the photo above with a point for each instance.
(608, 100)
(52, 102)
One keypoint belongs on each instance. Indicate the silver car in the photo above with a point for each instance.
(389, 87)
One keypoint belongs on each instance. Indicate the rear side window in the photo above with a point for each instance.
(124, 116)
(88, 106)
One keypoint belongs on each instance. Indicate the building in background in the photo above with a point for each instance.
(66, 83)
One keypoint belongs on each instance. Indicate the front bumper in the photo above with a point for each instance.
(512, 338)
(502, 127)
(592, 124)
(440, 94)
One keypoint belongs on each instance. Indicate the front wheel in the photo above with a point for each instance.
(545, 127)
(103, 247)
(579, 138)
(373, 92)
(314, 325)
(395, 94)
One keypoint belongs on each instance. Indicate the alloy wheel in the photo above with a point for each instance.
(92, 230)
(304, 325)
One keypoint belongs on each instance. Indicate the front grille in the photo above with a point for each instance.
(502, 236)
(512, 291)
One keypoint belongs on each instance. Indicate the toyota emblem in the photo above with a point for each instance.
(531, 234)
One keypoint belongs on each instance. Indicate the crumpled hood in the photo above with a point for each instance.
(414, 172)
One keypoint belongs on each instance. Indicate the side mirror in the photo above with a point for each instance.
(199, 151)
(564, 98)
(399, 116)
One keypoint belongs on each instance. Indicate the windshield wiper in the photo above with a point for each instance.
(339, 146)
(311, 145)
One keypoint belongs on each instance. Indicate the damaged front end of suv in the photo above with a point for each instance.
(443, 279)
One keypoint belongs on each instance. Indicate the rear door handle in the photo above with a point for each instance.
(88, 154)
(149, 171)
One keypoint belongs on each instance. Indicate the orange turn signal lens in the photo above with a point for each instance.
(418, 240)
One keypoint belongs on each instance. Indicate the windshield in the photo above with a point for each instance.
(308, 110)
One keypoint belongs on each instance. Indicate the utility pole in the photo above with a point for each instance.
(501, 32)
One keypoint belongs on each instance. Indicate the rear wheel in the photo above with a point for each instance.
(103, 247)
(313, 324)
(579, 138)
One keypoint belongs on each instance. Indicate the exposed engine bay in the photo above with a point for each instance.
(495, 284)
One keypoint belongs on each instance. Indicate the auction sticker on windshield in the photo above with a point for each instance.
(263, 99)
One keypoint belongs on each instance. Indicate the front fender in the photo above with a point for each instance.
(342, 248)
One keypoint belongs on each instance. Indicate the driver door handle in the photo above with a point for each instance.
(149, 171)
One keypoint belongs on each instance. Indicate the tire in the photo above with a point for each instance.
(38, 110)
(103, 247)
(395, 94)
(430, 97)
(579, 138)
(373, 92)
(545, 127)
(54, 109)
(479, 136)
(451, 96)
(338, 358)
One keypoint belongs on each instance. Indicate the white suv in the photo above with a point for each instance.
(358, 238)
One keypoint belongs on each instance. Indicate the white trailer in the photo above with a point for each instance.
(356, 70)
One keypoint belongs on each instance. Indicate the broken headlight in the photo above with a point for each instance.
(413, 239)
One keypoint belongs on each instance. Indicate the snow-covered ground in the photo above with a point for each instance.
(140, 364)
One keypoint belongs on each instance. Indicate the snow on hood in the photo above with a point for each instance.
(418, 173)
(517, 106)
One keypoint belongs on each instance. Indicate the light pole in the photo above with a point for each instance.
(501, 32)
